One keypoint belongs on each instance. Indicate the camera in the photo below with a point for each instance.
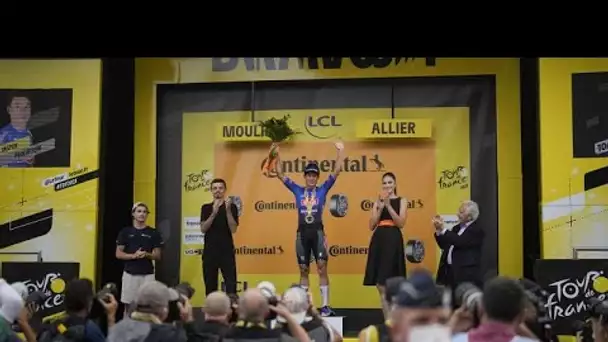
(598, 308)
(107, 290)
(184, 289)
(234, 305)
(269, 292)
(468, 296)
(538, 297)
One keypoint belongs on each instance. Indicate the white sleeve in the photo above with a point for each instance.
(11, 301)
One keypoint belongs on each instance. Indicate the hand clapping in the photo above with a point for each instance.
(437, 222)
(216, 206)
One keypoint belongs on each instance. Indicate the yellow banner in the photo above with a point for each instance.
(48, 170)
(574, 167)
(412, 128)
(241, 131)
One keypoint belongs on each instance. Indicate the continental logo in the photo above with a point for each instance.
(226, 64)
(362, 163)
(367, 205)
(337, 250)
(259, 250)
(321, 126)
(261, 206)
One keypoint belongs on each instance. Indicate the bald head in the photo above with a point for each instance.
(253, 306)
(217, 304)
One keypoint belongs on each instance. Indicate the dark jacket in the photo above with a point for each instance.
(466, 255)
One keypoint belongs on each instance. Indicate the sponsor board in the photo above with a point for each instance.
(449, 220)
(262, 206)
(416, 203)
(194, 238)
(259, 250)
(339, 250)
(192, 223)
(193, 251)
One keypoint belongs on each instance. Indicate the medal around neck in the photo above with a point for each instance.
(309, 201)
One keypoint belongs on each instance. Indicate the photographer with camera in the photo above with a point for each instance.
(300, 305)
(75, 325)
(502, 314)
(596, 327)
(253, 310)
(150, 311)
(536, 317)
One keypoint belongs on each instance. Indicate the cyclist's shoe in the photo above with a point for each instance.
(327, 311)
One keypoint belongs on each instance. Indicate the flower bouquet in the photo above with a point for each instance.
(277, 130)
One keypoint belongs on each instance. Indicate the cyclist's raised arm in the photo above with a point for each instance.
(288, 182)
(339, 163)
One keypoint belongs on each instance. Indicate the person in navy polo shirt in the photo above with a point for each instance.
(138, 245)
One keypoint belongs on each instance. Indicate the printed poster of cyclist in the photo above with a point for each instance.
(35, 128)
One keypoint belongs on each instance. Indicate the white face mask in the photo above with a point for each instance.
(430, 333)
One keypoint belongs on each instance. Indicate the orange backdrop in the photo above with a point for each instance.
(274, 230)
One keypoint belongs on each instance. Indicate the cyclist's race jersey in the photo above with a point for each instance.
(302, 194)
(23, 140)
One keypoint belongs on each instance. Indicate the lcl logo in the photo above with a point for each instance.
(317, 123)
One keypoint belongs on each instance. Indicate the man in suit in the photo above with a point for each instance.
(460, 247)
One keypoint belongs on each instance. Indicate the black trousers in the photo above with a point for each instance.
(212, 264)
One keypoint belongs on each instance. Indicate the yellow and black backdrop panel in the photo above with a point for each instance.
(180, 102)
(49, 142)
(574, 178)
(574, 162)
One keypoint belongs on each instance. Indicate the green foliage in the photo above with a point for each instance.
(278, 130)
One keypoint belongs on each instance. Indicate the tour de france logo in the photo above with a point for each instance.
(455, 177)
(198, 180)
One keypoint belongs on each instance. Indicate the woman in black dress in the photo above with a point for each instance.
(386, 258)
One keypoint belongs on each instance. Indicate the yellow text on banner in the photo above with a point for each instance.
(241, 131)
(410, 128)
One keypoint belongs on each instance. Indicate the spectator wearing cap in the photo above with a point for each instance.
(11, 310)
(503, 304)
(151, 308)
(253, 309)
(298, 304)
(137, 245)
(381, 332)
(422, 310)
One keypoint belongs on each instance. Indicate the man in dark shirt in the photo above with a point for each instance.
(219, 220)
(137, 245)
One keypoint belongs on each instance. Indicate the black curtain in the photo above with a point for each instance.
(115, 163)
